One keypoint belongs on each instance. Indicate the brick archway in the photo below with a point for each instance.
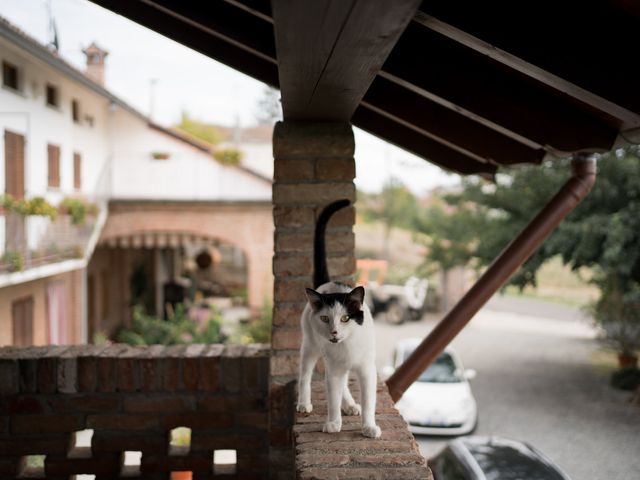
(249, 226)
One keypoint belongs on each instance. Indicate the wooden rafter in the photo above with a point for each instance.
(329, 52)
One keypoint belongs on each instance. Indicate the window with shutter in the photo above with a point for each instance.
(10, 76)
(22, 319)
(75, 110)
(53, 165)
(14, 164)
(77, 171)
(14, 231)
(52, 96)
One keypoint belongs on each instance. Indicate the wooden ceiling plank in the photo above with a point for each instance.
(447, 126)
(414, 142)
(329, 52)
(503, 97)
(222, 20)
(628, 118)
(592, 46)
(198, 39)
(259, 8)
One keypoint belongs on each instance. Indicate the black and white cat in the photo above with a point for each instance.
(337, 325)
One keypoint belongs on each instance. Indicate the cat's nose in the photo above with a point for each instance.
(334, 332)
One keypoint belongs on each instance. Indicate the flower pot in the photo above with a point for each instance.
(627, 360)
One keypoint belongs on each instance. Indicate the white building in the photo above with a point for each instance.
(65, 136)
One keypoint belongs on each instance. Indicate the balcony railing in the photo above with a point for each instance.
(31, 241)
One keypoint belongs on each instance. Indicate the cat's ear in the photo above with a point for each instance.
(356, 297)
(315, 299)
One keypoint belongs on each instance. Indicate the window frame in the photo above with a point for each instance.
(50, 87)
(23, 306)
(77, 170)
(8, 65)
(53, 181)
(75, 111)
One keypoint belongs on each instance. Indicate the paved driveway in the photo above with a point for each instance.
(536, 383)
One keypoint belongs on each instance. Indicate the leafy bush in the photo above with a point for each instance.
(204, 131)
(627, 378)
(228, 156)
(257, 330)
(76, 208)
(39, 206)
(34, 206)
(14, 260)
(177, 329)
(617, 314)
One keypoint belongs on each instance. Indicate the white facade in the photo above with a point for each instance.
(115, 142)
(46, 279)
(189, 172)
(25, 112)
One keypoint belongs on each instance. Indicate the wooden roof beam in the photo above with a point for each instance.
(329, 52)
(448, 126)
(494, 94)
(421, 145)
(241, 41)
(592, 46)
(626, 117)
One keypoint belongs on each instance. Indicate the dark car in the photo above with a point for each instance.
(492, 458)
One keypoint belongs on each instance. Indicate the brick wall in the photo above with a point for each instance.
(322, 456)
(132, 398)
(313, 166)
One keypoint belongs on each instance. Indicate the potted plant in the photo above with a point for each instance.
(617, 314)
(624, 337)
(160, 155)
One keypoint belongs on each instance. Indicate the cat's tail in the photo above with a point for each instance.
(320, 273)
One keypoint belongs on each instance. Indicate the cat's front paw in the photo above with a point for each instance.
(304, 407)
(332, 427)
(353, 409)
(371, 431)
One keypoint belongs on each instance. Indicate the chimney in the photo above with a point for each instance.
(95, 63)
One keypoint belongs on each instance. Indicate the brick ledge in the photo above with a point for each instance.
(349, 455)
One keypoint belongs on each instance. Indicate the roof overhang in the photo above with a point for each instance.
(469, 86)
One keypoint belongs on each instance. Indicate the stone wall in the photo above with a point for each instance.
(132, 398)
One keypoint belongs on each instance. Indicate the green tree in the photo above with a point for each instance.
(602, 233)
(395, 206)
(204, 131)
(450, 238)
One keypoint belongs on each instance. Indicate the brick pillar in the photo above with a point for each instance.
(313, 166)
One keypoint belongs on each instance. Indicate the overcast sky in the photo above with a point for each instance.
(186, 80)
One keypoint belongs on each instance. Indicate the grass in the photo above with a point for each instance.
(559, 284)
(604, 359)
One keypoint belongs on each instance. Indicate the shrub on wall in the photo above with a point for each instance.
(78, 209)
(228, 156)
(257, 330)
(33, 206)
(179, 328)
(14, 260)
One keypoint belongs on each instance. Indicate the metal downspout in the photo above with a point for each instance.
(512, 257)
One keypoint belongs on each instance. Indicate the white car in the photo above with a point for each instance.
(440, 402)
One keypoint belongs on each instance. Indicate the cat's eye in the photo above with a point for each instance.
(344, 318)
(324, 318)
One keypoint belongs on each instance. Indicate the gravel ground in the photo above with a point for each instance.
(536, 383)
